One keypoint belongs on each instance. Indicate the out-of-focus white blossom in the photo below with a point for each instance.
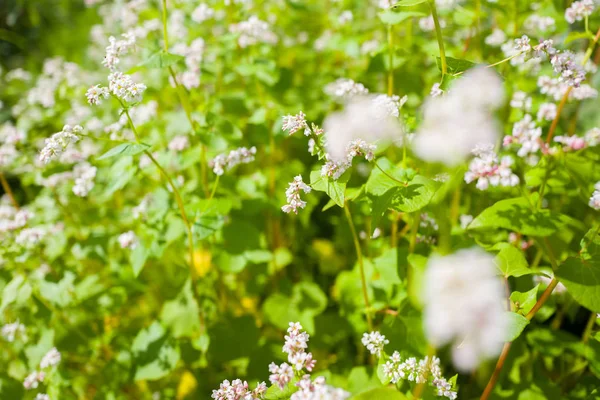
(496, 38)
(570, 71)
(42, 396)
(84, 174)
(179, 143)
(595, 199)
(344, 89)
(427, 24)
(464, 305)
(33, 380)
(455, 123)
(51, 358)
(579, 10)
(538, 23)
(235, 157)
(546, 112)
(369, 118)
(12, 331)
(116, 48)
(128, 240)
(253, 31)
(292, 194)
(465, 220)
(521, 101)
(526, 134)
(30, 237)
(202, 13)
(436, 90)
(58, 142)
(560, 289)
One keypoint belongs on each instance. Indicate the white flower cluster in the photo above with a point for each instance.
(9, 137)
(128, 240)
(238, 390)
(42, 396)
(235, 157)
(528, 135)
(488, 171)
(84, 175)
(296, 342)
(58, 142)
(374, 342)
(253, 31)
(193, 58)
(13, 330)
(418, 371)
(521, 101)
(179, 143)
(317, 390)
(460, 120)
(539, 23)
(123, 87)
(51, 359)
(344, 89)
(292, 194)
(496, 38)
(546, 112)
(464, 305)
(357, 147)
(427, 24)
(579, 10)
(595, 199)
(294, 123)
(556, 89)
(12, 219)
(116, 48)
(30, 237)
(569, 70)
(202, 13)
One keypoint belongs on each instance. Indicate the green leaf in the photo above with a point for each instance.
(511, 262)
(517, 323)
(181, 314)
(380, 182)
(415, 196)
(386, 393)
(137, 258)
(525, 300)
(383, 378)
(11, 291)
(162, 59)
(334, 188)
(582, 279)
(124, 149)
(274, 393)
(155, 355)
(518, 216)
(455, 65)
(390, 17)
(408, 3)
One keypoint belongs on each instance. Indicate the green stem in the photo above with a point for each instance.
(164, 21)
(390, 83)
(590, 325)
(440, 39)
(360, 264)
(176, 194)
(212, 194)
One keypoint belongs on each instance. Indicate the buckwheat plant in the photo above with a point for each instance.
(180, 179)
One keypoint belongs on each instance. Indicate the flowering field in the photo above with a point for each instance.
(288, 199)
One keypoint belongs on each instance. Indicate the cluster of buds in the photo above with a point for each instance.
(292, 194)
(487, 170)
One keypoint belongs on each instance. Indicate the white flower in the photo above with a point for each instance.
(281, 375)
(58, 142)
(345, 89)
(179, 143)
(95, 94)
(522, 44)
(238, 390)
(457, 122)
(369, 118)
(528, 135)
(84, 175)
(116, 49)
(235, 157)
(294, 123)
(33, 380)
(202, 13)
(29, 237)
(521, 101)
(546, 112)
(595, 199)
(374, 342)
(465, 220)
(11, 331)
(345, 17)
(128, 240)
(427, 24)
(42, 396)
(317, 390)
(123, 87)
(253, 31)
(51, 359)
(292, 194)
(579, 10)
(464, 305)
(436, 90)
(560, 289)
(489, 171)
(570, 71)
(537, 23)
